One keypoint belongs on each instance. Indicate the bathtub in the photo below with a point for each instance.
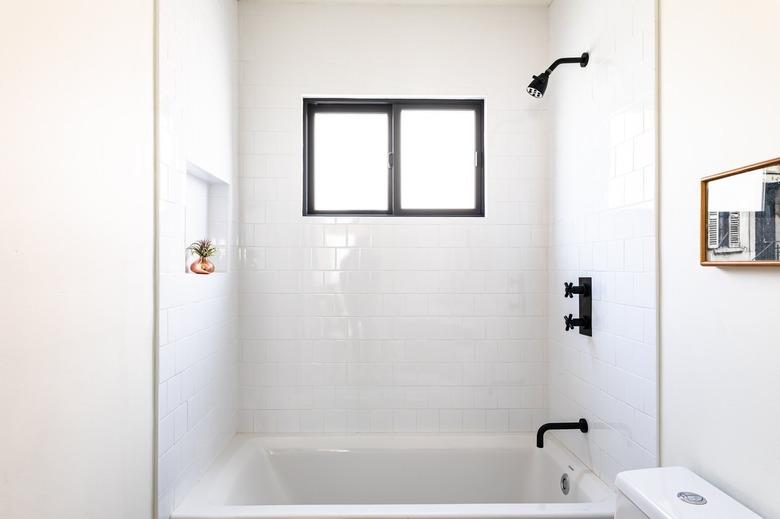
(485, 476)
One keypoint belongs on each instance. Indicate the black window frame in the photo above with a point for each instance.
(392, 107)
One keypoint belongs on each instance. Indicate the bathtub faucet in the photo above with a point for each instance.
(582, 425)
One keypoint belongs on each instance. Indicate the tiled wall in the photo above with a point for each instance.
(198, 319)
(390, 324)
(602, 225)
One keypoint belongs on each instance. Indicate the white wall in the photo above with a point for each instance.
(76, 212)
(720, 355)
(390, 324)
(198, 355)
(602, 225)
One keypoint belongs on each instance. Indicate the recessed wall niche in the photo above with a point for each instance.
(206, 214)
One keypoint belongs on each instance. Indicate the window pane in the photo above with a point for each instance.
(350, 161)
(437, 159)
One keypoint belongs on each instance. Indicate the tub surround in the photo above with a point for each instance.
(197, 171)
(380, 325)
(602, 225)
(388, 326)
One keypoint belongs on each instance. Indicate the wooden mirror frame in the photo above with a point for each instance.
(703, 229)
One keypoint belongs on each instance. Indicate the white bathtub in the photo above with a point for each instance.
(483, 477)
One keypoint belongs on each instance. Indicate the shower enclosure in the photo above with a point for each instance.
(378, 366)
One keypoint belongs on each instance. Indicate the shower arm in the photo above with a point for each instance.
(582, 60)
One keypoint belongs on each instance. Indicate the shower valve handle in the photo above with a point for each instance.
(571, 322)
(569, 290)
(567, 320)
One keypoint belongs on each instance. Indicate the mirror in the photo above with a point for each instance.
(740, 221)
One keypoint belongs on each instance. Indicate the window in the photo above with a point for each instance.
(393, 157)
(734, 241)
(713, 230)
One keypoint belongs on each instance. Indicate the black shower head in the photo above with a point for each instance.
(538, 85)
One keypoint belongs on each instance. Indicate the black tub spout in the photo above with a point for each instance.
(582, 425)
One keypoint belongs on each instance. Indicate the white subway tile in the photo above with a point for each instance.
(430, 325)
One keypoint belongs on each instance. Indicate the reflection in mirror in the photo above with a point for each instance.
(743, 216)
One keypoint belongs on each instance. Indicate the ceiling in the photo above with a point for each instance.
(428, 2)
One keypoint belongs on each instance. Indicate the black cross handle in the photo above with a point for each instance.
(572, 322)
(569, 290)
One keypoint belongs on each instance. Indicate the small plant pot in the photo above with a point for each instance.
(202, 266)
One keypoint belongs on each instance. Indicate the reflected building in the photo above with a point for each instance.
(748, 235)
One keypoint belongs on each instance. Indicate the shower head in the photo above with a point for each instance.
(538, 85)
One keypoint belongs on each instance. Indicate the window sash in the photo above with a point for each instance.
(734, 223)
(392, 107)
(713, 230)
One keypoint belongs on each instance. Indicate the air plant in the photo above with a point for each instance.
(204, 248)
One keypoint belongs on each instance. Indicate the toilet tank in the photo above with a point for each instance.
(673, 493)
(625, 509)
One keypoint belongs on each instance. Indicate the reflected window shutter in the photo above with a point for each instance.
(713, 230)
(734, 230)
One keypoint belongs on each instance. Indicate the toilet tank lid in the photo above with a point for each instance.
(655, 492)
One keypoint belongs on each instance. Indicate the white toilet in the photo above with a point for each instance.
(673, 493)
